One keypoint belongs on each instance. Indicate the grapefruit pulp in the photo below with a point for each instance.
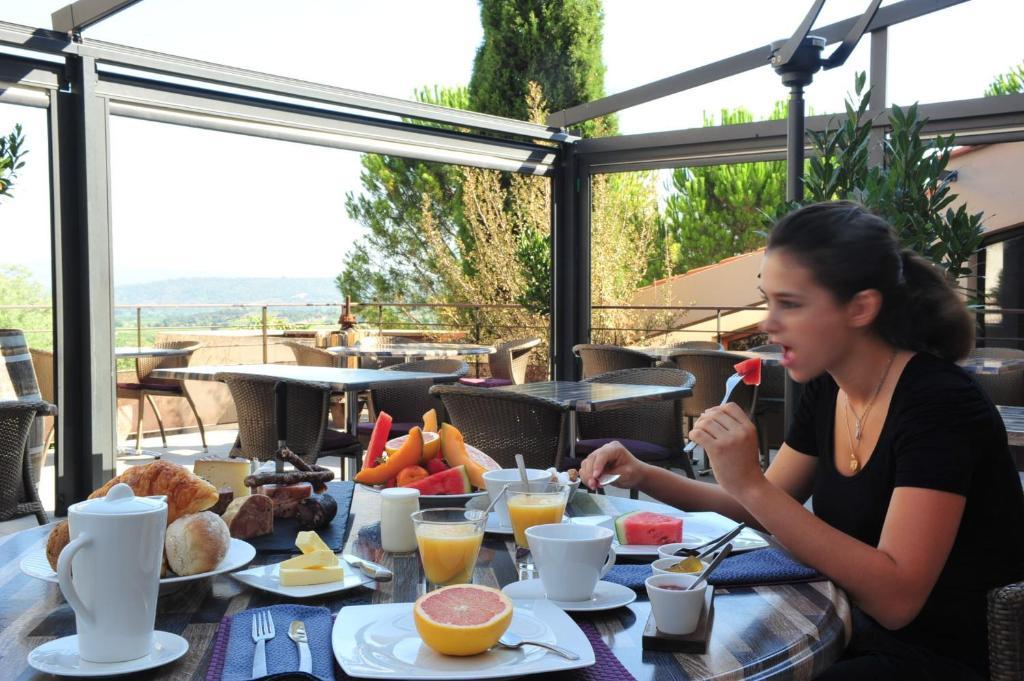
(463, 619)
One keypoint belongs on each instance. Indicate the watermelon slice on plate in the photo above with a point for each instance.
(749, 370)
(381, 430)
(647, 528)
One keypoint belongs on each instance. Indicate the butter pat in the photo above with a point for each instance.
(314, 559)
(221, 473)
(307, 576)
(308, 542)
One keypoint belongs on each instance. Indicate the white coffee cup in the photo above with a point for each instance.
(110, 573)
(497, 480)
(571, 558)
(676, 610)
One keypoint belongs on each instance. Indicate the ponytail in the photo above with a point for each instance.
(848, 250)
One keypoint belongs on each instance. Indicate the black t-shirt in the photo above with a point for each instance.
(941, 432)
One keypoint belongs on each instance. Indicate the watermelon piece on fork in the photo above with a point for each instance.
(749, 370)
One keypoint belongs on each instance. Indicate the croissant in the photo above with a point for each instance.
(186, 493)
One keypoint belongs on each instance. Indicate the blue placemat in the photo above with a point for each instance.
(234, 648)
(763, 566)
(282, 539)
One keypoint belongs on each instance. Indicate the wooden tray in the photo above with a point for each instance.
(694, 642)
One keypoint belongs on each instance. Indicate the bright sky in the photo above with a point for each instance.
(195, 203)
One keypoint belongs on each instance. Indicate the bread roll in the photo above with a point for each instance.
(186, 493)
(55, 543)
(196, 543)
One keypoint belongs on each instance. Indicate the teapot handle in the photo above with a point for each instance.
(64, 576)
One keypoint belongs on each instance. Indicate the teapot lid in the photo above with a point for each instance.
(120, 500)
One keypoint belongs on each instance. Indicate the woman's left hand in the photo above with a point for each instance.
(730, 440)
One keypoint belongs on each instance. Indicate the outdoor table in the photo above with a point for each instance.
(583, 396)
(349, 382)
(134, 352)
(412, 350)
(992, 365)
(1013, 419)
(766, 632)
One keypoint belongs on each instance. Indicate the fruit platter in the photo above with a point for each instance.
(435, 460)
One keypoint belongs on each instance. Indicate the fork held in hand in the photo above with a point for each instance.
(262, 631)
(730, 385)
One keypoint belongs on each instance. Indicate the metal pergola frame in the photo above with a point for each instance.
(82, 83)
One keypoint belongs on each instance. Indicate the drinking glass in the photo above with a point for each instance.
(529, 504)
(449, 541)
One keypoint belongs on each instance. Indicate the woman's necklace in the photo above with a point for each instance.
(862, 419)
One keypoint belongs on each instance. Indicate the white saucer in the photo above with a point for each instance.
(60, 657)
(606, 596)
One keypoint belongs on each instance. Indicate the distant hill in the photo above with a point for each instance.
(258, 290)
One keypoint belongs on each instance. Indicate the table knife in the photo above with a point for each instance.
(297, 633)
(370, 569)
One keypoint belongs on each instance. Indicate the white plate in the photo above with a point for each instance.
(381, 642)
(437, 500)
(60, 657)
(607, 596)
(267, 577)
(240, 554)
(643, 550)
(698, 527)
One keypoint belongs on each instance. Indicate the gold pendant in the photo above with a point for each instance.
(854, 464)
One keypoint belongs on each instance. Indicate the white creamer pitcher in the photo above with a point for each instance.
(110, 573)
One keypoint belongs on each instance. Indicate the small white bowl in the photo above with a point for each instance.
(676, 611)
(659, 566)
(666, 550)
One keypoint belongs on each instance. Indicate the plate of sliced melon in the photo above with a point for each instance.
(436, 461)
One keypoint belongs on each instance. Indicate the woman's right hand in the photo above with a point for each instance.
(612, 458)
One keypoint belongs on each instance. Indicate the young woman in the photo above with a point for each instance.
(918, 510)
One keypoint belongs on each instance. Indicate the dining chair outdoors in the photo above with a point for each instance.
(997, 353)
(309, 356)
(711, 369)
(407, 403)
(306, 430)
(1006, 388)
(42, 363)
(699, 345)
(770, 406)
(652, 431)
(18, 493)
(507, 364)
(502, 424)
(145, 387)
(600, 359)
(1006, 633)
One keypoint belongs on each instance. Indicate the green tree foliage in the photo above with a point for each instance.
(11, 152)
(19, 288)
(910, 189)
(1009, 83)
(554, 44)
(715, 212)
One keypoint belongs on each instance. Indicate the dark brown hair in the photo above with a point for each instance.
(848, 249)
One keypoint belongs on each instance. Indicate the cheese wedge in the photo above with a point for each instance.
(315, 559)
(308, 542)
(305, 577)
(224, 473)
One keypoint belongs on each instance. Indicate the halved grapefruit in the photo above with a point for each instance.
(431, 445)
(463, 619)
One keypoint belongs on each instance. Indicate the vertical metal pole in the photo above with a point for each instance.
(795, 145)
(138, 325)
(83, 294)
(263, 326)
(878, 75)
(570, 263)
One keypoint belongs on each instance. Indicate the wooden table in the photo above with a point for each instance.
(1013, 419)
(582, 396)
(785, 631)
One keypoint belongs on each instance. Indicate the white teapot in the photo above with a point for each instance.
(110, 572)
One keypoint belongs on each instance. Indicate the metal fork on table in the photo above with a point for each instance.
(730, 385)
(262, 631)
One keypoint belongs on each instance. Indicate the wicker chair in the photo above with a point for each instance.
(507, 365)
(1006, 633)
(711, 368)
(147, 386)
(1006, 388)
(998, 353)
(699, 345)
(307, 434)
(600, 359)
(42, 363)
(652, 431)
(409, 402)
(18, 493)
(308, 356)
(502, 424)
(770, 407)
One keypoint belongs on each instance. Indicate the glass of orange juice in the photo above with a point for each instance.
(529, 504)
(449, 541)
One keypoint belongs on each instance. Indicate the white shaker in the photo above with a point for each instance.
(110, 573)
(397, 504)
